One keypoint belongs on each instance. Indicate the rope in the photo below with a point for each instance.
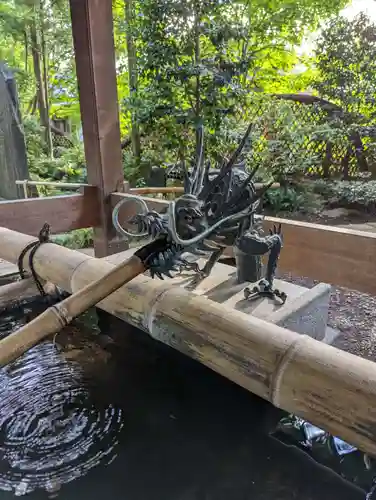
(43, 237)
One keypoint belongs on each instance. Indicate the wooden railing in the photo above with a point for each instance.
(140, 191)
(342, 257)
(79, 185)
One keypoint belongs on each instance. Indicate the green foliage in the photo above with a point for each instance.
(202, 61)
(346, 63)
(80, 238)
(323, 187)
(292, 199)
(198, 61)
(66, 166)
(353, 194)
(51, 21)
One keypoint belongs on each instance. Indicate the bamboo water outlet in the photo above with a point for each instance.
(328, 387)
(60, 315)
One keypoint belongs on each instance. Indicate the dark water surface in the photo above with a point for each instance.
(135, 420)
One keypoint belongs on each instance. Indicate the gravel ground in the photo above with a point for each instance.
(353, 314)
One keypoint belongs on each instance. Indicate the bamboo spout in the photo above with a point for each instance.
(59, 315)
(332, 389)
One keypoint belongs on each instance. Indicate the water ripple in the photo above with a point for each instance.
(50, 431)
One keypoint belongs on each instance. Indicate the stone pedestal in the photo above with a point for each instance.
(305, 310)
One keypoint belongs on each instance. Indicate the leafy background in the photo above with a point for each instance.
(216, 62)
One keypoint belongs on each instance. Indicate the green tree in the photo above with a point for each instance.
(346, 63)
(36, 41)
(202, 61)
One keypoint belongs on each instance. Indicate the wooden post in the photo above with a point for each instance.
(92, 27)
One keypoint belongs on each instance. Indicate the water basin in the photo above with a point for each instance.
(90, 415)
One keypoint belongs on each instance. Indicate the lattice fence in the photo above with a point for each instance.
(302, 133)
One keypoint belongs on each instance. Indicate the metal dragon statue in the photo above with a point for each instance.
(214, 212)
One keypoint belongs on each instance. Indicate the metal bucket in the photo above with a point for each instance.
(248, 268)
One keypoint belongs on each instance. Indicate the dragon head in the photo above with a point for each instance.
(209, 205)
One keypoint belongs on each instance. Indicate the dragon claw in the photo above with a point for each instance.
(265, 289)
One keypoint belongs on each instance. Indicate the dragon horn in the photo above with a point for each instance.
(199, 169)
(206, 174)
(239, 192)
(239, 149)
(254, 172)
(226, 167)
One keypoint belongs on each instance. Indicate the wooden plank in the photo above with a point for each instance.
(339, 256)
(63, 213)
(343, 257)
(92, 28)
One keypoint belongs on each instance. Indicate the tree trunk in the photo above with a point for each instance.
(345, 164)
(132, 74)
(357, 142)
(197, 60)
(327, 160)
(32, 106)
(36, 51)
(45, 78)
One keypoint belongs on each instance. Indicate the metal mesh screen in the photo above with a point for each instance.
(13, 160)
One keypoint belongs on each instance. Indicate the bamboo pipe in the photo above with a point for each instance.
(60, 315)
(66, 185)
(56, 317)
(22, 290)
(17, 290)
(157, 190)
(332, 389)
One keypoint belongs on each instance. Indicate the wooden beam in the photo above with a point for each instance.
(339, 256)
(92, 28)
(63, 213)
(180, 189)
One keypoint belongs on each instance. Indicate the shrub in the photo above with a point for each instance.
(68, 165)
(354, 194)
(80, 238)
(300, 198)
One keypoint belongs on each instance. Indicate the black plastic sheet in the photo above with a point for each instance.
(346, 460)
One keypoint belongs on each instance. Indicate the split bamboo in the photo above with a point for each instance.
(330, 388)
